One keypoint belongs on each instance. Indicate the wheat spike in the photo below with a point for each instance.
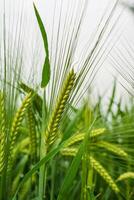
(2, 132)
(125, 175)
(104, 174)
(69, 151)
(74, 139)
(16, 125)
(53, 125)
(97, 132)
(96, 165)
(80, 136)
(32, 134)
(113, 148)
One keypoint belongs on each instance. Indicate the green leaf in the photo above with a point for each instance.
(45, 73)
(46, 67)
(44, 160)
(71, 173)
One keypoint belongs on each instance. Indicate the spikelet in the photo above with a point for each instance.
(113, 148)
(2, 132)
(16, 125)
(53, 124)
(37, 99)
(80, 136)
(69, 151)
(74, 139)
(32, 134)
(104, 174)
(97, 132)
(125, 175)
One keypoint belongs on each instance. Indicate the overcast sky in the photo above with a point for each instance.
(32, 40)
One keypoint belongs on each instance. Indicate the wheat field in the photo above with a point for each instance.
(57, 141)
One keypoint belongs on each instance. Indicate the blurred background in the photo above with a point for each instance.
(21, 28)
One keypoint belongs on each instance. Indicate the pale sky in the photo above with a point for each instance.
(32, 40)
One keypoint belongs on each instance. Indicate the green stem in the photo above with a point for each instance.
(0, 187)
(84, 176)
(53, 165)
(43, 153)
(90, 183)
(41, 180)
(90, 178)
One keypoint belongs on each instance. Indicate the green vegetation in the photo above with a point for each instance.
(54, 144)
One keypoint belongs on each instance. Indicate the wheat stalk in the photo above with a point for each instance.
(2, 132)
(104, 174)
(53, 125)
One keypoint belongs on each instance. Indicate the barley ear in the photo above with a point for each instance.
(113, 148)
(51, 133)
(74, 139)
(78, 137)
(104, 174)
(16, 125)
(32, 134)
(69, 151)
(2, 132)
(125, 175)
(97, 132)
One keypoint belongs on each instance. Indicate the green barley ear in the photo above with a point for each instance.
(74, 139)
(113, 148)
(125, 175)
(16, 125)
(2, 132)
(97, 132)
(32, 134)
(104, 174)
(37, 101)
(80, 136)
(51, 133)
(69, 151)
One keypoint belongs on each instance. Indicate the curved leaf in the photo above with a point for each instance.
(46, 67)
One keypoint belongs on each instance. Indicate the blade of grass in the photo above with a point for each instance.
(44, 160)
(71, 174)
(46, 67)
